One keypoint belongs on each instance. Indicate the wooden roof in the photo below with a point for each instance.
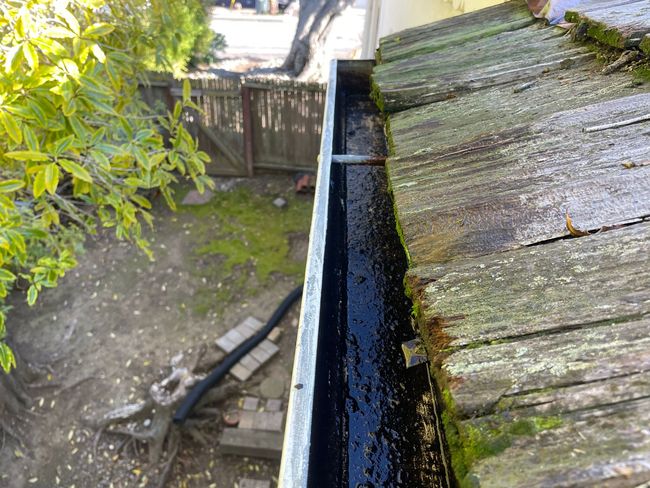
(500, 127)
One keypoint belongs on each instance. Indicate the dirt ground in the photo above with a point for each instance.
(118, 319)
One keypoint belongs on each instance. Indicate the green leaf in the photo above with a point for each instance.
(14, 56)
(98, 30)
(95, 85)
(39, 184)
(178, 110)
(6, 275)
(187, 90)
(69, 107)
(7, 359)
(51, 178)
(98, 53)
(11, 126)
(69, 67)
(30, 55)
(101, 159)
(32, 295)
(61, 145)
(71, 20)
(50, 46)
(140, 200)
(78, 127)
(75, 170)
(101, 106)
(57, 32)
(142, 158)
(9, 186)
(30, 138)
(27, 155)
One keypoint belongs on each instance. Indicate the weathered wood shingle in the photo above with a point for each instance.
(539, 340)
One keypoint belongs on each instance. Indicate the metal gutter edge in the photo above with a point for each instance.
(294, 469)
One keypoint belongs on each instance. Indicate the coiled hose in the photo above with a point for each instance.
(233, 358)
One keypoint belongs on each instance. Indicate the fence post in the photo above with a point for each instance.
(248, 127)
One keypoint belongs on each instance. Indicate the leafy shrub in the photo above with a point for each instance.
(77, 144)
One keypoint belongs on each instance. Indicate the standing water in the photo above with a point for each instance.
(374, 420)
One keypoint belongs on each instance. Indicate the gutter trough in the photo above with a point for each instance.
(357, 416)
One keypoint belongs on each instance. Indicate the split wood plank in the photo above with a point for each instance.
(620, 25)
(435, 126)
(541, 289)
(515, 187)
(508, 16)
(593, 353)
(505, 58)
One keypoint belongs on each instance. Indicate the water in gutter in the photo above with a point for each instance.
(373, 420)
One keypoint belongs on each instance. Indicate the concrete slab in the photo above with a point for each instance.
(251, 443)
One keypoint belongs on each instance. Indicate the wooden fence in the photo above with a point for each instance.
(247, 125)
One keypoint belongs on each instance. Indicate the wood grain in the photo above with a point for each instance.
(505, 17)
(500, 59)
(513, 188)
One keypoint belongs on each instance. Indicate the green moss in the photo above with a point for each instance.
(375, 94)
(398, 227)
(389, 136)
(645, 45)
(242, 240)
(471, 441)
(606, 35)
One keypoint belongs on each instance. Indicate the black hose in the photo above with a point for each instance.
(233, 358)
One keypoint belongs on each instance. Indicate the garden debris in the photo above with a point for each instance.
(280, 202)
(414, 352)
(305, 183)
(626, 58)
(231, 418)
(572, 230)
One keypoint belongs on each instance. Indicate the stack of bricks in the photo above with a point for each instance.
(259, 433)
(250, 363)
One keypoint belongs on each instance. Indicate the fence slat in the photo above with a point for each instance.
(248, 124)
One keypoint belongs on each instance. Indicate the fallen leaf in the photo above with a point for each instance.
(572, 230)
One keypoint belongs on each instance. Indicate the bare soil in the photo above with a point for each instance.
(115, 322)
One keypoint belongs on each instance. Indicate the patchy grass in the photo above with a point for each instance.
(242, 241)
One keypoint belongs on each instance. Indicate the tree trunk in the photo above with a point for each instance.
(314, 22)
